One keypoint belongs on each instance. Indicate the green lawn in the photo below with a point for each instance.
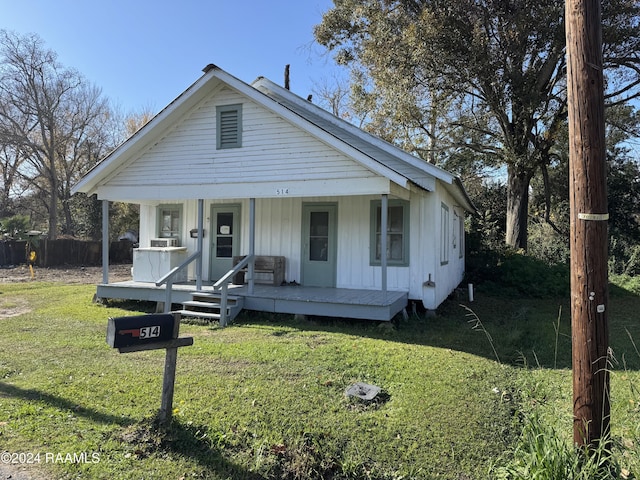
(264, 398)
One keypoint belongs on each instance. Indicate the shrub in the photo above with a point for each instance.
(627, 284)
(547, 245)
(624, 256)
(516, 274)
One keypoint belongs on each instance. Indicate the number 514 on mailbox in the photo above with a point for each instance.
(140, 330)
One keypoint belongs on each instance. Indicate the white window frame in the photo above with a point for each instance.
(171, 233)
(376, 205)
(444, 234)
(461, 234)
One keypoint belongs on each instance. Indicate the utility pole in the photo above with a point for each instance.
(589, 235)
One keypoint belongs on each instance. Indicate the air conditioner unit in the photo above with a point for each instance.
(164, 242)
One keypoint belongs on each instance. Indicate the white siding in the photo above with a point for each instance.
(354, 249)
(147, 225)
(449, 275)
(279, 231)
(272, 150)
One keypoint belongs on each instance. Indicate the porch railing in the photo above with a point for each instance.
(169, 278)
(223, 286)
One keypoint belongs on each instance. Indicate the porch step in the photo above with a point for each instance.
(215, 297)
(207, 306)
(202, 315)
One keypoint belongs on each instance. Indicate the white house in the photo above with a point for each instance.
(230, 169)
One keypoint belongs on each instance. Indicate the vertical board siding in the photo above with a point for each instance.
(279, 232)
(354, 237)
(147, 225)
(451, 274)
(353, 242)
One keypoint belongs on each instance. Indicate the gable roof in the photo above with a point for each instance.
(412, 168)
(372, 152)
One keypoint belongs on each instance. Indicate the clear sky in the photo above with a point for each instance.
(144, 53)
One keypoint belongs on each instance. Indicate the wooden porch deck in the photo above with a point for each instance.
(330, 302)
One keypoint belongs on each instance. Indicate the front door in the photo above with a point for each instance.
(225, 238)
(319, 244)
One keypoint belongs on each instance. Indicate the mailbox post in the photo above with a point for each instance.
(151, 332)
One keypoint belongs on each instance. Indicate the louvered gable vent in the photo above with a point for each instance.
(229, 126)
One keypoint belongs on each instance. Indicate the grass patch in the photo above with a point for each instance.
(541, 450)
(626, 285)
(264, 398)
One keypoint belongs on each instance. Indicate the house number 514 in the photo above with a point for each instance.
(282, 191)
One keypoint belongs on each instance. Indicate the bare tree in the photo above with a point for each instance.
(135, 121)
(92, 131)
(333, 95)
(52, 117)
(10, 160)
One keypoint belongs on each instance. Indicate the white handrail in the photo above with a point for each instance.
(223, 285)
(168, 279)
(173, 272)
(227, 276)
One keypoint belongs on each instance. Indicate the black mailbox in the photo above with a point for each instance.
(141, 330)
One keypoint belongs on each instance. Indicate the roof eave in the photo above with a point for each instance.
(469, 206)
(162, 120)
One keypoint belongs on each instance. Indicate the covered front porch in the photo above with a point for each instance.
(291, 299)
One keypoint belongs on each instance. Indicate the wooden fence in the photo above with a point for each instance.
(65, 251)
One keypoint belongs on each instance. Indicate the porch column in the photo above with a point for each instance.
(384, 214)
(105, 241)
(199, 244)
(252, 242)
